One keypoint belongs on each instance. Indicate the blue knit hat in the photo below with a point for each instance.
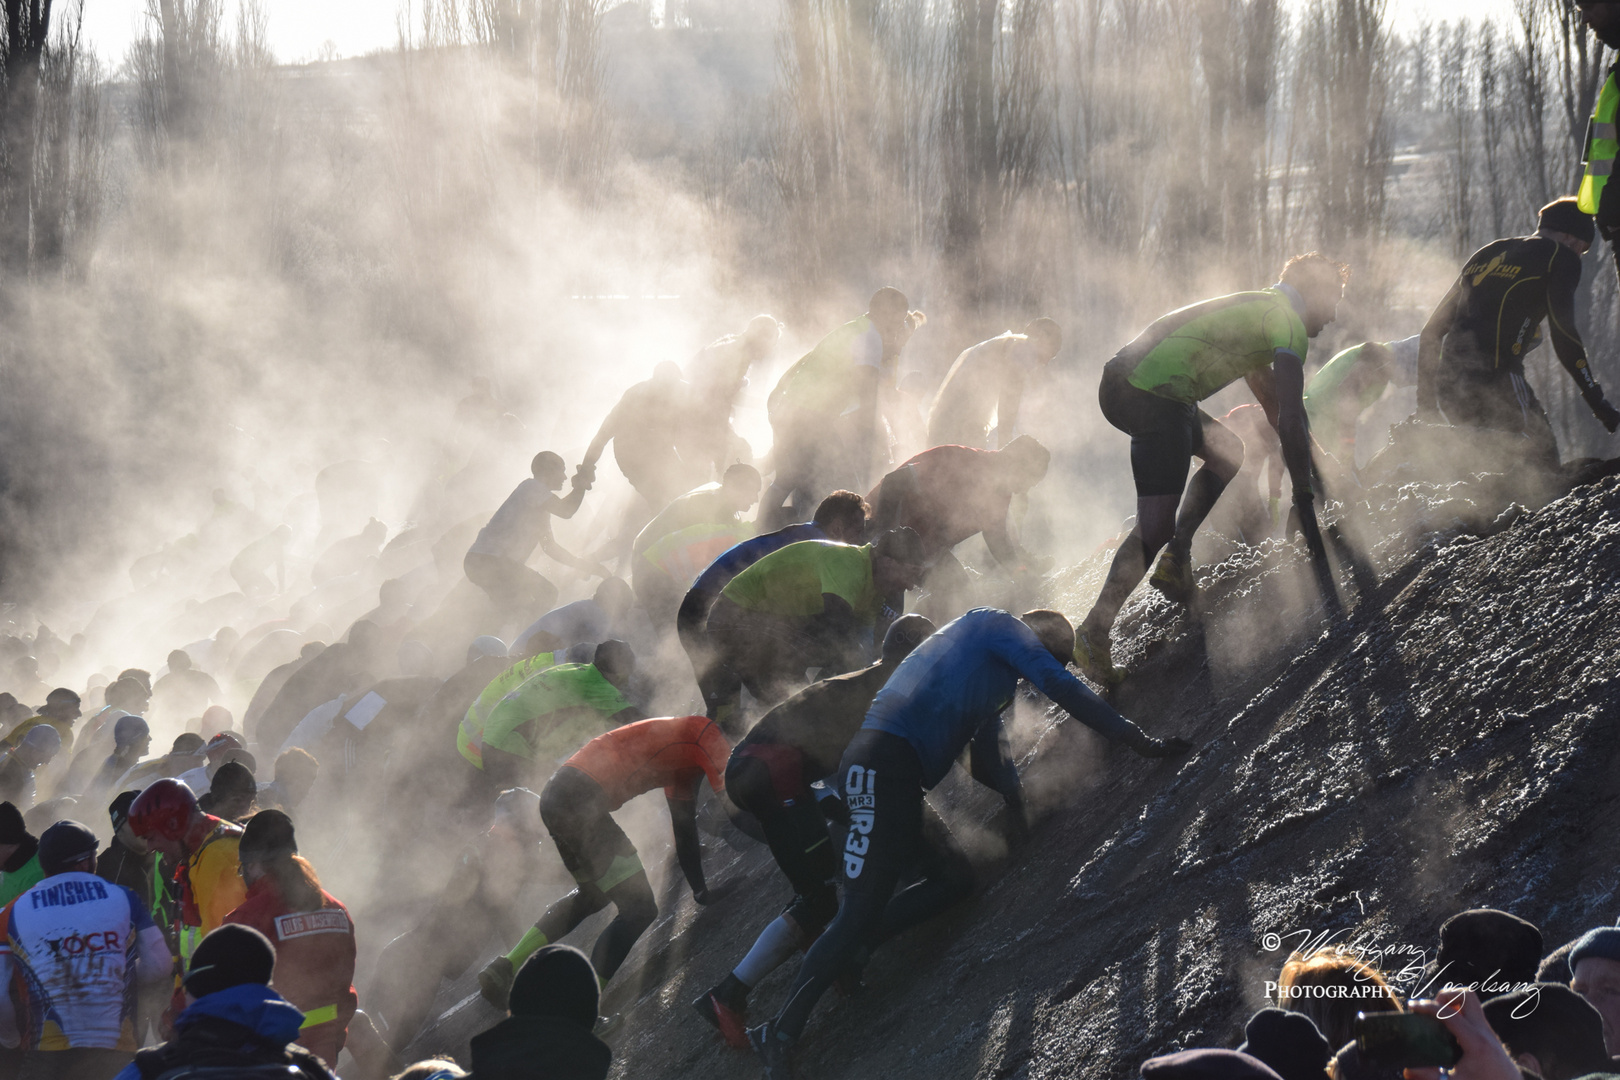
(1600, 944)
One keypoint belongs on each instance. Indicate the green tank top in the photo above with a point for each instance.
(1191, 353)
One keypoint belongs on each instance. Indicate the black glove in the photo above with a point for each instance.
(1175, 746)
(1607, 414)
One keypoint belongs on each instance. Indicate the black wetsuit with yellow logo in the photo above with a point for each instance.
(1488, 321)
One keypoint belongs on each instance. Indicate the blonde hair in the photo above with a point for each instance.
(1315, 269)
(1330, 986)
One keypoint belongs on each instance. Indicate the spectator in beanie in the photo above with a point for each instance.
(553, 1009)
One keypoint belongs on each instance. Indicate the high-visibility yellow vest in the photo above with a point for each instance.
(1602, 146)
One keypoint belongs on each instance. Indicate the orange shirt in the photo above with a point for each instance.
(669, 752)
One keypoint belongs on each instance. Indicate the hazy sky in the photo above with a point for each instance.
(299, 28)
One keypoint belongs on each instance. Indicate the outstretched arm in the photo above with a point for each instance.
(1566, 337)
(1075, 698)
(867, 380)
(604, 435)
(998, 538)
(894, 491)
(1434, 333)
(567, 506)
(688, 849)
(992, 763)
(1293, 431)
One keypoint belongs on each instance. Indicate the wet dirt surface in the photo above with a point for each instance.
(1452, 743)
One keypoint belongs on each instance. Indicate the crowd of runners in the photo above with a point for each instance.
(798, 676)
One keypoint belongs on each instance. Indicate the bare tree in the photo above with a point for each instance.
(1458, 107)
(1346, 64)
(1528, 93)
(1580, 75)
(1491, 121)
(22, 57)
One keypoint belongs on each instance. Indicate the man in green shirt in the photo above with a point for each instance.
(19, 855)
(1348, 385)
(470, 732)
(1151, 391)
(554, 712)
(824, 409)
(706, 517)
(813, 604)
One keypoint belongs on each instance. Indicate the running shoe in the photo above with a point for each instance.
(731, 1023)
(495, 981)
(1173, 577)
(775, 1054)
(1093, 655)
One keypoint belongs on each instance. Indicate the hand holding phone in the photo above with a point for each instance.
(1405, 1040)
(1483, 1057)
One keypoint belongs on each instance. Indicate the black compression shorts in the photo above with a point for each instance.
(592, 846)
(1165, 435)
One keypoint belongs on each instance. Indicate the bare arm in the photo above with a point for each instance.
(866, 415)
(1434, 332)
(1007, 406)
(604, 435)
(893, 493)
(567, 506)
(549, 545)
(998, 538)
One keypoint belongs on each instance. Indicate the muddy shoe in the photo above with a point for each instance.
(1173, 577)
(731, 1023)
(1093, 655)
(495, 981)
(775, 1054)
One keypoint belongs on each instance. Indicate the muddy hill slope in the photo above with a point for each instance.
(1453, 742)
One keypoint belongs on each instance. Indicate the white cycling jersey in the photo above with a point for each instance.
(70, 953)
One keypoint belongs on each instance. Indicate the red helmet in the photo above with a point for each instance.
(164, 810)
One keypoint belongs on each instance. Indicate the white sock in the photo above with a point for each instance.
(777, 942)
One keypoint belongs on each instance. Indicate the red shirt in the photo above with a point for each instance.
(959, 492)
(668, 752)
(314, 957)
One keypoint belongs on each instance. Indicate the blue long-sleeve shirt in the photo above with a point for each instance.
(953, 688)
(740, 557)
